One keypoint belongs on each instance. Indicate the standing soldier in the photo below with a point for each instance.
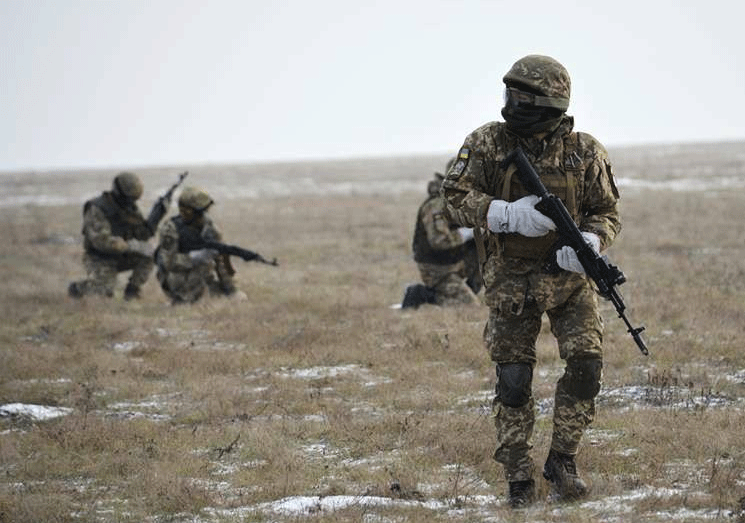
(485, 194)
(115, 236)
(185, 273)
(444, 253)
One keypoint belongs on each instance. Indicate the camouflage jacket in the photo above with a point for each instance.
(107, 226)
(572, 165)
(173, 256)
(436, 237)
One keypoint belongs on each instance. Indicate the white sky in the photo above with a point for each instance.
(161, 82)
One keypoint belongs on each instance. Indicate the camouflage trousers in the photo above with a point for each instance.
(102, 272)
(190, 286)
(510, 338)
(448, 283)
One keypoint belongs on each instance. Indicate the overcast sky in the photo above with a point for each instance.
(161, 82)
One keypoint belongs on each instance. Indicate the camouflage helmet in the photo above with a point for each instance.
(541, 75)
(195, 198)
(127, 184)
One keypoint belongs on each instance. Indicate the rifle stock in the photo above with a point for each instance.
(605, 275)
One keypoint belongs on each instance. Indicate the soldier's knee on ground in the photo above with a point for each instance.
(583, 377)
(416, 295)
(514, 384)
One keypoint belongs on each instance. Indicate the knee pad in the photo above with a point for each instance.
(583, 377)
(514, 384)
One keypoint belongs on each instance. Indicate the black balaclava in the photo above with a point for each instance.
(525, 119)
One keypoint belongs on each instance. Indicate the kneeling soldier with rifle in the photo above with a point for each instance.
(190, 257)
(115, 238)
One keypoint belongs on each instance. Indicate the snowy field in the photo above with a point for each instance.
(315, 401)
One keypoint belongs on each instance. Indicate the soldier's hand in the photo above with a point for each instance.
(202, 256)
(519, 217)
(466, 234)
(566, 257)
(140, 247)
(119, 244)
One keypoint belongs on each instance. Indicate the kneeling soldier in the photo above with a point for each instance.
(185, 273)
(115, 235)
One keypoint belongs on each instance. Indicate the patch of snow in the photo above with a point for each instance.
(126, 346)
(737, 377)
(303, 505)
(37, 412)
(319, 372)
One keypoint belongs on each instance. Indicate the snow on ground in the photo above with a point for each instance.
(36, 412)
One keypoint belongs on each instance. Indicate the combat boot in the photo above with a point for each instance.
(73, 290)
(416, 295)
(562, 472)
(131, 292)
(522, 493)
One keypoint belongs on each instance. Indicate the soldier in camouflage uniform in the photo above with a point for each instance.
(483, 193)
(185, 273)
(115, 236)
(445, 255)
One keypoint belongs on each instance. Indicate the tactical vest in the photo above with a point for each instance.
(188, 236)
(565, 180)
(123, 223)
(423, 251)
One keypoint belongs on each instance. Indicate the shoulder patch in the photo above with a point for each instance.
(460, 165)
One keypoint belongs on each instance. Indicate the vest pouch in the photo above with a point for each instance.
(518, 246)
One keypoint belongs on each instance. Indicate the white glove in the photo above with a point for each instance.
(140, 247)
(202, 256)
(466, 234)
(520, 217)
(566, 257)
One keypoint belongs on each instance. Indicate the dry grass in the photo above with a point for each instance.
(314, 387)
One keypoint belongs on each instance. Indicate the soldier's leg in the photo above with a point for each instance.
(141, 267)
(225, 275)
(101, 279)
(217, 287)
(510, 340)
(184, 287)
(578, 328)
(448, 283)
(452, 289)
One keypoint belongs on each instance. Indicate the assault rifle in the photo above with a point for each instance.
(606, 276)
(160, 207)
(232, 250)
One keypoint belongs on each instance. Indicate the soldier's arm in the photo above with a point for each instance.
(97, 231)
(141, 229)
(169, 257)
(210, 232)
(600, 202)
(441, 235)
(464, 187)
